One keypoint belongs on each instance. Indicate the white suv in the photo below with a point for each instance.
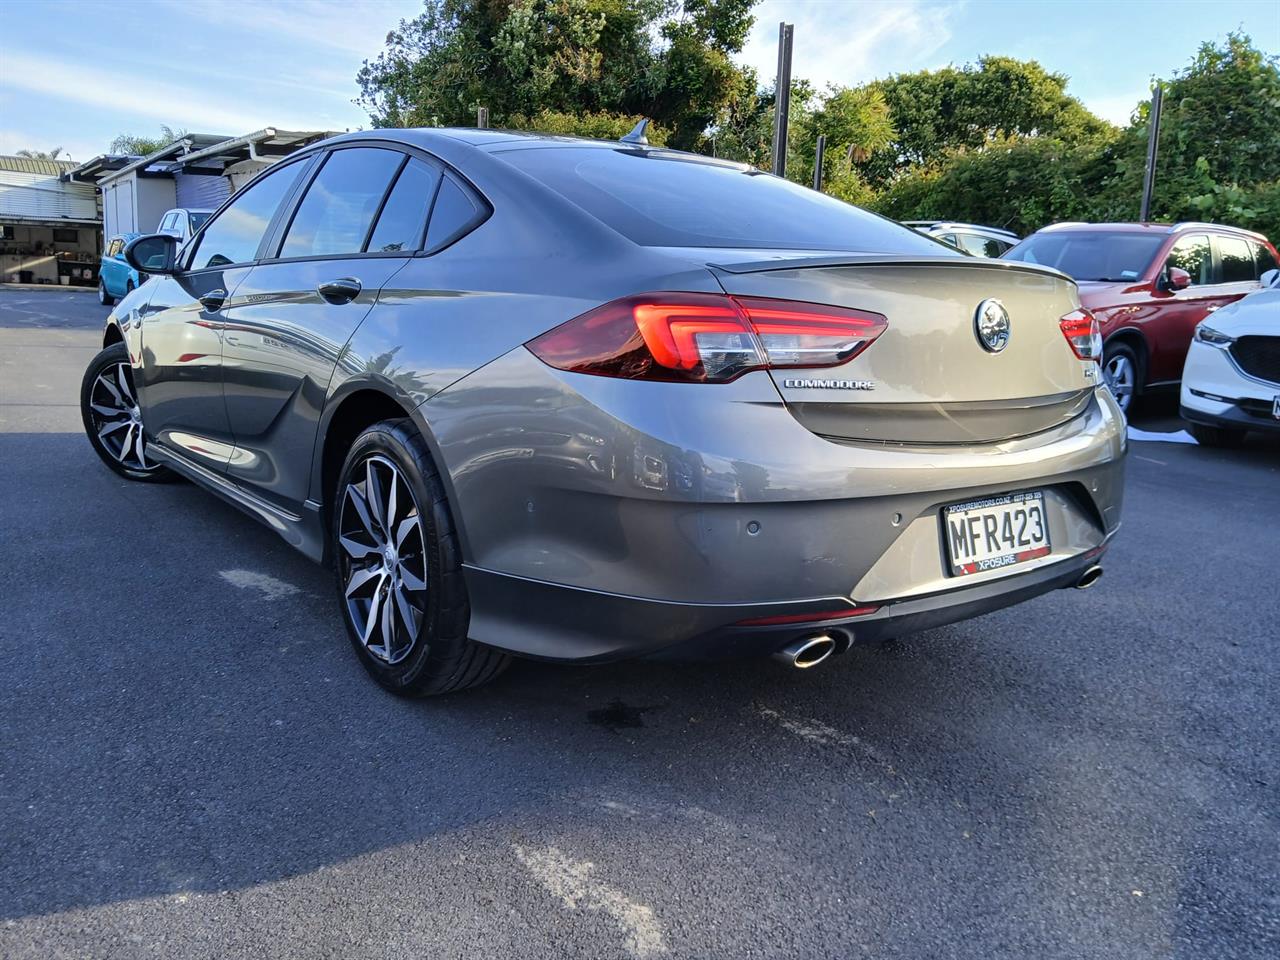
(1231, 379)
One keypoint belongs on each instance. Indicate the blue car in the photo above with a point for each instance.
(115, 277)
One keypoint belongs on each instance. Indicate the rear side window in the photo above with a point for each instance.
(235, 235)
(663, 198)
(1193, 255)
(1238, 265)
(1264, 258)
(404, 215)
(341, 202)
(980, 246)
(455, 212)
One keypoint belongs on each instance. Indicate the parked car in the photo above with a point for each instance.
(1149, 284)
(1231, 381)
(969, 237)
(183, 223)
(580, 400)
(115, 277)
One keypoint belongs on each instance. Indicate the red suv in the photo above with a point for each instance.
(1149, 284)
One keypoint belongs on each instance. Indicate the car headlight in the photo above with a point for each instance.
(1206, 334)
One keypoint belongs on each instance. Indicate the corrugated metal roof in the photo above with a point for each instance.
(44, 196)
(50, 168)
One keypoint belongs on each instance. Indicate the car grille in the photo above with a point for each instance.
(1258, 357)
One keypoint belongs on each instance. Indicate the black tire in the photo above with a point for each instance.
(104, 298)
(1217, 436)
(132, 464)
(1120, 355)
(437, 657)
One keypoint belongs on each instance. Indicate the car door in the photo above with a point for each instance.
(358, 221)
(113, 268)
(1169, 327)
(182, 324)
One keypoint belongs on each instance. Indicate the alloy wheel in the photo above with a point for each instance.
(1120, 375)
(117, 418)
(383, 559)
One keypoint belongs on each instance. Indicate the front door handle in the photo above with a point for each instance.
(1212, 307)
(342, 290)
(213, 300)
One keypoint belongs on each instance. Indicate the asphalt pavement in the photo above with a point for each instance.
(193, 764)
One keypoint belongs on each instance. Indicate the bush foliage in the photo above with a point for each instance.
(998, 142)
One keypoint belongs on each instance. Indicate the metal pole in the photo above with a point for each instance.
(782, 99)
(482, 117)
(818, 153)
(1153, 147)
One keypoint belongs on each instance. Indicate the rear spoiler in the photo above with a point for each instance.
(884, 260)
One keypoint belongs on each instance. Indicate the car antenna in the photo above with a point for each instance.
(636, 135)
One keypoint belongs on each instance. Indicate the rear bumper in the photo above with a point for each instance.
(604, 518)
(554, 622)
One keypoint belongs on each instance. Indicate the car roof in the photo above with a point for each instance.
(1146, 227)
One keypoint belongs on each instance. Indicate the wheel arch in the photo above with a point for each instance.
(351, 411)
(1134, 339)
(111, 334)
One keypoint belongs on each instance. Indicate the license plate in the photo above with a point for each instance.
(996, 532)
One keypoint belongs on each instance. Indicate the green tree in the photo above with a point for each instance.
(938, 112)
(53, 154)
(669, 60)
(141, 146)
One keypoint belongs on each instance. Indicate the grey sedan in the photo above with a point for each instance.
(584, 400)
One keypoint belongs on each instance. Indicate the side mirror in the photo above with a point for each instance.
(1271, 279)
(1177, 279)
(154, 253)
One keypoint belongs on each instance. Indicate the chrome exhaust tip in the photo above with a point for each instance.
(806, 653)
(1089, 577)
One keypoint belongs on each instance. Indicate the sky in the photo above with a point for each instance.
(75, 73)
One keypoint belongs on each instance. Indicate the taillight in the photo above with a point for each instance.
(1082, 331)
(705, 338)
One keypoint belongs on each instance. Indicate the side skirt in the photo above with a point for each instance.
(304, 532)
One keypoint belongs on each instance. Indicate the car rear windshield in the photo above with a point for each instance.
(662, 198)
(1082, 255)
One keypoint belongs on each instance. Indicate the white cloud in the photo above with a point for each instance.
(155, 100)
(1117, 107)
(849, 41)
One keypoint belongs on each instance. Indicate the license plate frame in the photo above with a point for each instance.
(1011, 542)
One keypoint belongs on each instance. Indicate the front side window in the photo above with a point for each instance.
(404, 215)
(1119, 257)
(1238, 265)
(235, 235)
(1193, 255)
(341, 202)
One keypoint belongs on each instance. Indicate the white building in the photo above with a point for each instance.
(198, 171)
(49, 228)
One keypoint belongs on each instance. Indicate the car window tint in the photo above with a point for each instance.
(235, 235)
(1193, 255)
(1264, 259)
(1238, 265)
(454, 213)
(1087, 255)
(949, 238)
(979, 246)
(340, 203)
(197, 220)
(404, 216)
(665, 198)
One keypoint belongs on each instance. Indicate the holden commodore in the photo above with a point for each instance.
(584, 400)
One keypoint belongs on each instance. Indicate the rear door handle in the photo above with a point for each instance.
(213, 300)
(342, 290)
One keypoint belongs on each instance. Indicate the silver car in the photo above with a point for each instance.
(970, 237)
(585, 400)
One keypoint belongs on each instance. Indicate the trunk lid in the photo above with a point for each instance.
(928, 378)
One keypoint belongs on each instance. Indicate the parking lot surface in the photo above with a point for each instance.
(195, 765)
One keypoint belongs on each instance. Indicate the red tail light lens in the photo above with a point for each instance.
(1082, 331)
(705, 338)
